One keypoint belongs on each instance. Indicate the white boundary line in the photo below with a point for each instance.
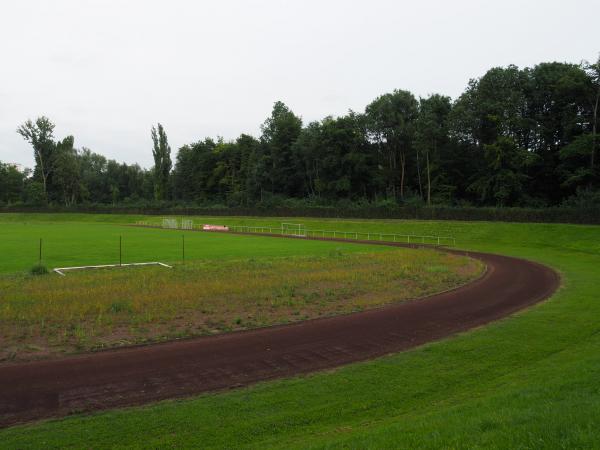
(60, 270)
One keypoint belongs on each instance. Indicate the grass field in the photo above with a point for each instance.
(530, 381)
(45, 316)
(71, 242)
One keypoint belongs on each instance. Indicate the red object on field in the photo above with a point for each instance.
(215, 228)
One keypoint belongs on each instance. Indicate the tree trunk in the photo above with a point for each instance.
(392, 173)
(44, 174)
(594, 129)
(419, 176)
(402, 167)
(428, 179)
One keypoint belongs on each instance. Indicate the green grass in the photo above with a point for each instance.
(531, 381)
(72, 242)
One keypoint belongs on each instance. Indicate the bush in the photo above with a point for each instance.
(567, 213)
(583, 199)
(120, 307)
(38, 269)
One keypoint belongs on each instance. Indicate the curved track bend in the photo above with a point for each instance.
(136, 375)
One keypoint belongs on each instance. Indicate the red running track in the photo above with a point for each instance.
(137, 375)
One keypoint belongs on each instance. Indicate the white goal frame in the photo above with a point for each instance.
(187, 224)
(170, 223)
(293, 229)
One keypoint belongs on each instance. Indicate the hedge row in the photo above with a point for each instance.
(548, 215)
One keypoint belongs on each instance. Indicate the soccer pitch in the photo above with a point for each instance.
(75, 243)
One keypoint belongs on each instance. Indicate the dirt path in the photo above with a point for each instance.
(132, 376)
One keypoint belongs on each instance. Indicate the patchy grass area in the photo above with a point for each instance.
(528, 382)
(46, 315)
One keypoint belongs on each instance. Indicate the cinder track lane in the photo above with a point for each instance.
(137, 375)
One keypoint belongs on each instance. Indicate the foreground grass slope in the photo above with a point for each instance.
(529, 381)
(47, 316)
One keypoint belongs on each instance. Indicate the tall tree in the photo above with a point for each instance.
(67, 172)
(593, 71)
(391, 119)
(279, 132)
(162, 162)
(11, 183)
(502, 182)
(40, 135)
(193, 173)
(93, 176)
(336, 159)
(432, 132)
(558, 105)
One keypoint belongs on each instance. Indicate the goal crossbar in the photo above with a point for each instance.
(293, 229)
(61, 270)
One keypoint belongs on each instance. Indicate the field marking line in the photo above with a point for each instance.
(60, 270)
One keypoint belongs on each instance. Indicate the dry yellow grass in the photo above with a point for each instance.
(48, 315)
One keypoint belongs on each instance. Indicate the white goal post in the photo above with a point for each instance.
(187, 224)
(174, 224)
(293, 229)
(169, 222)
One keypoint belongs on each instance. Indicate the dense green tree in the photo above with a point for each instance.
(514, 137)
(576, 166)
(503, 181)
(66, 174)
(279, 132)
(493, 106)
(93, 180)
(40, 135)
(432, 136)
(11, 183)
(162, 162)
(336, 158)
(593, 71)
(391, 124)
(194, 166)
(559, 107)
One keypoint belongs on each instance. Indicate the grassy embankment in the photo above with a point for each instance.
(529, 381)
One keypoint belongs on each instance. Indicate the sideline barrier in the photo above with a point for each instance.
(357, 235)
(369, 236)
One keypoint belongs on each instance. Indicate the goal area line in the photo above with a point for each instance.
(61, 270)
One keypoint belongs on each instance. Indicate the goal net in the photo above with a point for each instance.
(293, 229)
(169, 222)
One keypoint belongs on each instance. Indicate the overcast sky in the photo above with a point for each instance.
(105, 71)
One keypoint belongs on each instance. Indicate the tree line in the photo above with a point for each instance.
(515, 137)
